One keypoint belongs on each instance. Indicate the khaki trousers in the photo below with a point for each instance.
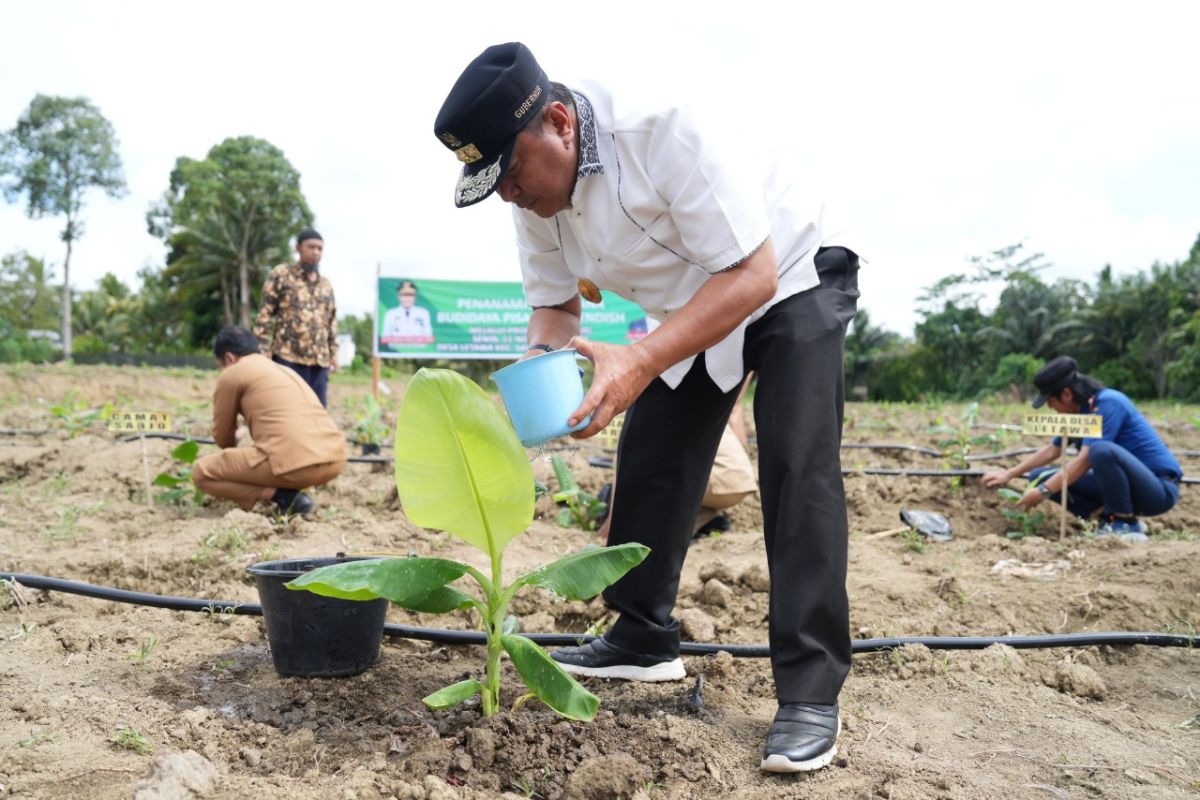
(234, 474)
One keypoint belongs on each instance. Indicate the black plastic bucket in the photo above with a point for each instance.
(313, 636)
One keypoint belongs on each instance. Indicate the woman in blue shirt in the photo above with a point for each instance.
(1127, 471)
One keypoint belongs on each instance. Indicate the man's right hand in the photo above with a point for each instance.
(996, 478)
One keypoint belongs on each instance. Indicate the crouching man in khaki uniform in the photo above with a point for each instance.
(296, 443)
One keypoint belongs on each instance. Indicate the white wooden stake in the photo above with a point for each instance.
(1062, 521)
(146, 469)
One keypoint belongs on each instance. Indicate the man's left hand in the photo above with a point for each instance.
(1030, 499)
(333, 368)
(621, 373)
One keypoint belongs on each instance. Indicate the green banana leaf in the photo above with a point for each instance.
(583, 575)
(186, 452)
(546, 679)
(567, 486)
(418, 584)
(168, 480)
(459, 465)
(452, 695)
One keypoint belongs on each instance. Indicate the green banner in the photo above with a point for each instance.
(472, 319)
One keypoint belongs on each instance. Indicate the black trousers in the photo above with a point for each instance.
(668, 441)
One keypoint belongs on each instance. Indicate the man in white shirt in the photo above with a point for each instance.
(743, 275)
(408, 322)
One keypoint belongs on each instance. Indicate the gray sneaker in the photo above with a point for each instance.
(1128, 530)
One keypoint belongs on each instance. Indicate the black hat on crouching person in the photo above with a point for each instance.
(494, 98)
(1056, 375)
(308, 233)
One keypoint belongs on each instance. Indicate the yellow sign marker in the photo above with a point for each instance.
(1087, 426)
(135, 421)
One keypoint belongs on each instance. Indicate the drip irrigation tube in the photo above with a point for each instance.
(444, 636)
(910, 473)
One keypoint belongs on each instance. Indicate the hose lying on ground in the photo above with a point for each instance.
(444, 636)
(911, 473)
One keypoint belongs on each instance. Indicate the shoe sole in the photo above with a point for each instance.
(781, 763)
(666, 671)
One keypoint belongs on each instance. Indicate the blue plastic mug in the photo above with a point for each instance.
(540, 393)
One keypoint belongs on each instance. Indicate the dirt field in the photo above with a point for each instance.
(86, 684)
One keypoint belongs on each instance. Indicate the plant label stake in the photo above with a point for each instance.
(1065, 426)
(140, 422)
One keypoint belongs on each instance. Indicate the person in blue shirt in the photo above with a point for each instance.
(1128, 471)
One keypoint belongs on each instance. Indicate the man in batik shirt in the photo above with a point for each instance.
(297, 323)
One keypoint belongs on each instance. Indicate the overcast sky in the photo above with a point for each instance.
(946, 130)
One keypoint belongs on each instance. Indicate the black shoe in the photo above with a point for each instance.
(803, 738)
(290, 501)
(718, 524)
(600, 659)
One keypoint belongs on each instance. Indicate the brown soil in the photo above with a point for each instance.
(995, 723)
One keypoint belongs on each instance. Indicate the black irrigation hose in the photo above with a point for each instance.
(911, 473)
(925, 451)
(443, 636)
(13, 432)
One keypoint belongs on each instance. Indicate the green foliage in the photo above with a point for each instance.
(228, 539)
(145, 648)
(369, 427)
(60, 148)
(1014, 375)
(224, 219)
(913, 541)
(580, 509)
(460, 468)
(961, 441)
(362, 330)
(866, 346)
(75, 416)
(1027, 523)
(130, 739)
(178, 484)
(29, 298)
(36, 738)
(17, 345)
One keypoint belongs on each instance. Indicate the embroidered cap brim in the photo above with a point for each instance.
(480, 179)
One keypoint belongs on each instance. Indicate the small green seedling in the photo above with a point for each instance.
(369, 428)
(178, 484)
(580, 509)
(229, 539)
(67, 527)
(130, 739)
(145, 648)
(460, 469)
(36, 738)
(222, 615)
(913, 541)
(1029, 523)
(74, 416)
(960, 441)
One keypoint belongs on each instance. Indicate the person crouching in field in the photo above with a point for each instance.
(1127, 471)
(296, 443)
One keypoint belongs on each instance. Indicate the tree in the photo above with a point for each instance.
(865, 345)
(60, 148)
(106, 316)
(28, 298)
(227, 217)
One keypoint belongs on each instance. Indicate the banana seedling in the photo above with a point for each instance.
(460, 468)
